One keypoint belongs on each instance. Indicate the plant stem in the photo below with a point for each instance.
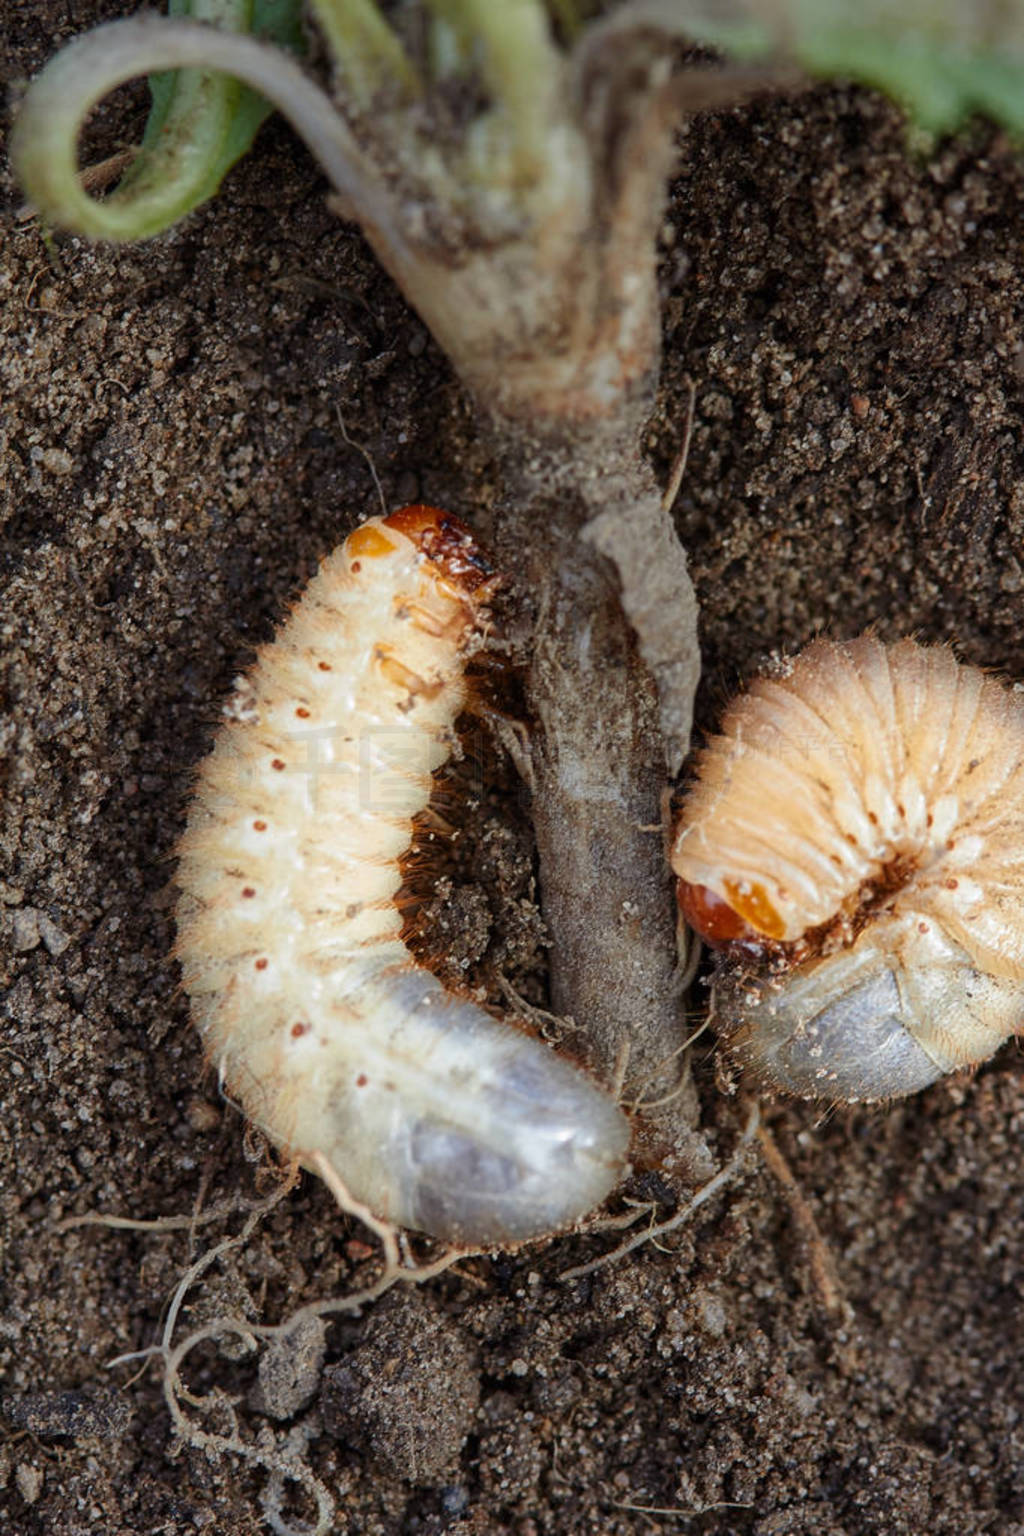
(598, 761)
(522, 67)
(170, 176)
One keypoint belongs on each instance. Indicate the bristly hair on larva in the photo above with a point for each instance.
(853, 846)
(342, 1049)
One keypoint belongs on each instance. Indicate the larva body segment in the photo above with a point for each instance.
(322, 1026)
(854, 843)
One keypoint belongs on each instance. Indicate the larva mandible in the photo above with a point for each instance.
(332, 1039)
(854, 846)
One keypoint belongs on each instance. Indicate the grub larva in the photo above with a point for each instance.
(333, 1040)
(854, 845)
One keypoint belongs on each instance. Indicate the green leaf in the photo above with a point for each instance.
(945, 61)
(209, 120)
(200, 123)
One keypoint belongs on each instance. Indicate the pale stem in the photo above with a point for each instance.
(521, 66)
(366, 52)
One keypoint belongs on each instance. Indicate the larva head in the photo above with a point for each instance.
(440, 539)
(743, 914)
(448, 544)
(853, 846)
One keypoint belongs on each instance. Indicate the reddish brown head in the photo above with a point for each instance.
(447, 543)
(747, 917)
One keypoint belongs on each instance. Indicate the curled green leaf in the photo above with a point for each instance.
(200, 123)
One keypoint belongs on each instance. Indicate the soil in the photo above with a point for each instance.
(174, 425)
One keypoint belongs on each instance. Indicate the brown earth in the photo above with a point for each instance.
(173, 467)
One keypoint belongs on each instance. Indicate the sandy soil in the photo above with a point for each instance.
(173, 467)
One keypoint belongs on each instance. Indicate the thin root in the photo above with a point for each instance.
(678, 470)
(640, 1106)
(621, 1067)
(638, 1209)
(690, 951)
(227, 1207)
(367, 455)
(721, 1178)
(824, 1273)
(283, 1461)
(552, 1027)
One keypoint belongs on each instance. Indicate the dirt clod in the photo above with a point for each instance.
(408, 1397)
(289, 1369)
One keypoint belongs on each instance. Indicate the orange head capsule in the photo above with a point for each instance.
(854, 846)
(744, 914)
(714, 919)
(446, 542)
